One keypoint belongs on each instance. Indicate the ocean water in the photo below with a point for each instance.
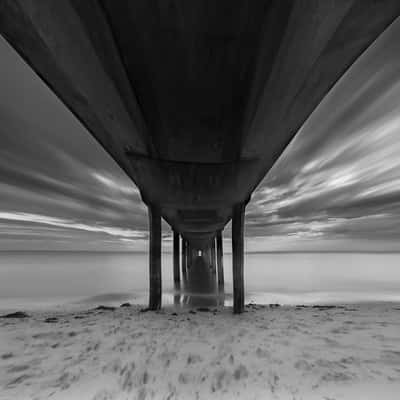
(31, 280)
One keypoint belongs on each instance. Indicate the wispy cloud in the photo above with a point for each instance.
(340, 177)
(70, 224)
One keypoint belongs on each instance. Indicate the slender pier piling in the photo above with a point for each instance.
(184, 260)
(177, 278)
(238, 257)
(213, 260)
(155, 258)
(220, 262)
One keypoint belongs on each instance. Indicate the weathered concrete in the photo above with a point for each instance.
(155, 258)
(195, 100)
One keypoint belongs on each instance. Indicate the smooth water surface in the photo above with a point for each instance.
(37, 279)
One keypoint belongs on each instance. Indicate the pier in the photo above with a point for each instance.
(194, 99)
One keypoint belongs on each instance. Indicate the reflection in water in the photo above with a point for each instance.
(200, 288)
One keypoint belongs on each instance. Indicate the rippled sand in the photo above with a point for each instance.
(348, 352)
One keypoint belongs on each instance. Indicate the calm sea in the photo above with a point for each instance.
(31, 280)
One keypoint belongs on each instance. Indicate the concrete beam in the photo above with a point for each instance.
(79, 61)
(310, 52)
(190, 186)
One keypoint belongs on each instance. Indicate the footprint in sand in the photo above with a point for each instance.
(303, 365)
(183, 378)
(262, 353)
(241, 372)
(48, 335)
(103, 394)
(114, 366)
(337, 377)
(341, 330)
(19, 380)
(331, 342)
(350, 361)
(167, 356)
(273, 381)
(67, 379)
(221, 379)
(242, 332)
(127, 377)
(119, 345)
(193, 359)
(17, 368)
(329, 364)
(391, 357)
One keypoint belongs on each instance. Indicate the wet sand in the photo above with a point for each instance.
(342, 352)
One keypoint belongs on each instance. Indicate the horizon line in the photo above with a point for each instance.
(246, 252)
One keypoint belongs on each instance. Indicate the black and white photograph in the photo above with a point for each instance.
(199, 199)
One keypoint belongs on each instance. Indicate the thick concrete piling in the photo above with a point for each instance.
(213, 260)
(207, 257)
(238, 257)
(177, 278)
(220, 262)
(189, 256)
(184, 260)
(155, 258)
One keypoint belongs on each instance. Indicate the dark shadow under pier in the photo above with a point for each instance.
(200, 288)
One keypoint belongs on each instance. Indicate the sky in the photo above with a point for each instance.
(335, 188)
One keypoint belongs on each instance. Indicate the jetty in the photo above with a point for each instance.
(194, 99)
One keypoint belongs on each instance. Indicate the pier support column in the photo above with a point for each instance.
(193, 256)
(207, 256)
(238, 257)
(188, 256)
(220, 262)
(155, 258)
(184, 259)
(177, 278)
(213, 261)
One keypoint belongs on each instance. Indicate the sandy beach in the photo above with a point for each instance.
(340, 352)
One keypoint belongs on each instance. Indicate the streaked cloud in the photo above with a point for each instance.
(70, 224)
(339, 178)
(336, 187)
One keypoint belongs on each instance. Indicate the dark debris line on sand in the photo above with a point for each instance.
(51, 320)
(18, 314)
(104, 308)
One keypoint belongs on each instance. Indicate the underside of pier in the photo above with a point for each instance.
(194, 99)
